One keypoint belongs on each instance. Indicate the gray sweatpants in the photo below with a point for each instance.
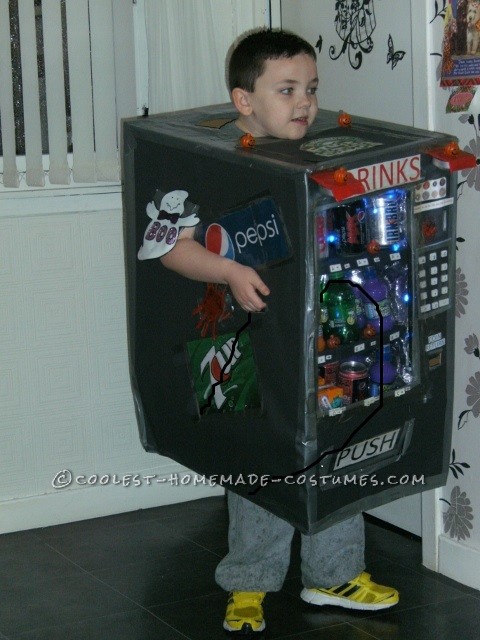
(259, 551)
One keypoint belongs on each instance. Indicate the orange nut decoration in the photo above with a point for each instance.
(369, 331)
(344, 119)
(333, 342)
(247, 141)
(373, 247)
(451, 149)
(340, 175)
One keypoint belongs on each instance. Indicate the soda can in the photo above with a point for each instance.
(321, 233)
(327, 373)
(385, 214)
(353, 377)
(350, 224)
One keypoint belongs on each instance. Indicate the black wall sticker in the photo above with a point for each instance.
(355, 23)
(393, 57)
(457, 467)
(440, 10)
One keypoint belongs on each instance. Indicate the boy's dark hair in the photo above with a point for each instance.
(247, 61)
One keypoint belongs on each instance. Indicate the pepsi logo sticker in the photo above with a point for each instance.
(253, 235)
(217, 240)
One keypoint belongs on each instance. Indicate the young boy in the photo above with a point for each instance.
(273, 83)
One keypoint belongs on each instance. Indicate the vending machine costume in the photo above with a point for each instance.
(335, 399)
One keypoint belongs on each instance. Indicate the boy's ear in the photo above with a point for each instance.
(241, 101)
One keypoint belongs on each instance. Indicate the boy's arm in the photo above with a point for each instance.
(190, 259)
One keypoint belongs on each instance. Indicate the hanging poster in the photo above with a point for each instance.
(461, 44)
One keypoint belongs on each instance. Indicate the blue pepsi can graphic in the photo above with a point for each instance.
(253, 235)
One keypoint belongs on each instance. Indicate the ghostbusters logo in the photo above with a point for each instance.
(162, 232)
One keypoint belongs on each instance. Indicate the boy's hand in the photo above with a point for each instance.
(192, 260)
(246, 284)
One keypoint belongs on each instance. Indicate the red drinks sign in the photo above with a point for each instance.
(392, 173)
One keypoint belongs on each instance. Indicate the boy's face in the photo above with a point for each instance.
(284, 102)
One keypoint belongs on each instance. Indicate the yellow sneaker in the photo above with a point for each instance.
(360, 593)
(244, 612)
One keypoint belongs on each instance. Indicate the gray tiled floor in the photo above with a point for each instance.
(149, 575)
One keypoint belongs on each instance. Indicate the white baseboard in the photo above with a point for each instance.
(71, 505)
(459, 562)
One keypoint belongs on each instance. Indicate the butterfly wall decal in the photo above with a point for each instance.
(393, 56)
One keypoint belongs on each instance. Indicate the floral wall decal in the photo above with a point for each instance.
(472, 346)
(440, 11)
(473, 388)
(473, 394)
(354, 23)
(457, 467)
(472, 175)
(461, 293)
(463, 418)
(457, 519)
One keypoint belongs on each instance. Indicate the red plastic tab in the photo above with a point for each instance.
(448, 157)
(339, 190)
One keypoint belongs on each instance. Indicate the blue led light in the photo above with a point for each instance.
(331, 238)
(396, 247)
(406, 297)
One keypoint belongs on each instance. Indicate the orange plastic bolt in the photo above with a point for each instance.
(451, 149)
(369, 331)
(247, 141)
(344, 119)
(333, 342)
(340, 175)
(373, 247)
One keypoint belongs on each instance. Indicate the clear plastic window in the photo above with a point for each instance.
(364, 299)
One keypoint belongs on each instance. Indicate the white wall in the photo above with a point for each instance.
(459, 547)
(64, 385)
(366, 86)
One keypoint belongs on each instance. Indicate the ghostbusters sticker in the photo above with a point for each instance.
(167, 220)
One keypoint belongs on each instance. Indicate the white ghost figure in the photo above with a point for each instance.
(162, 233)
